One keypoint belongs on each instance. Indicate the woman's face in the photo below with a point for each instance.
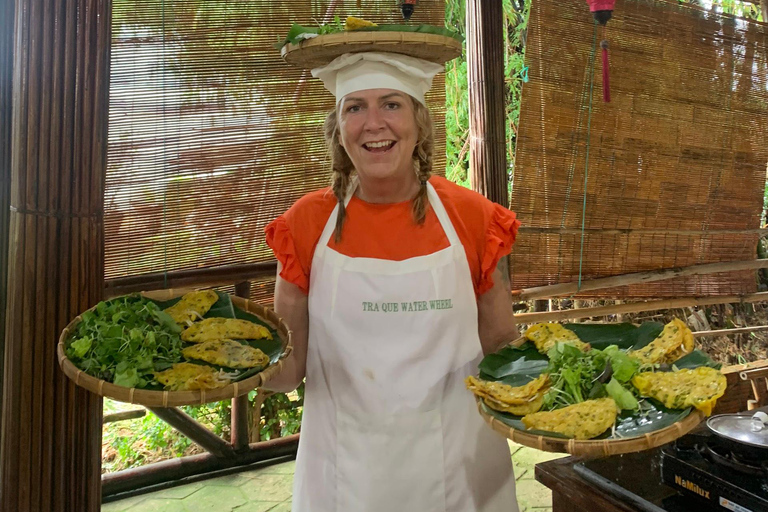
(378, 131)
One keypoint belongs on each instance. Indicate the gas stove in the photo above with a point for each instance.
(700, 466)
(695, 473)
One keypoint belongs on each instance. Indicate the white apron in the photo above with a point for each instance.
(388, 423)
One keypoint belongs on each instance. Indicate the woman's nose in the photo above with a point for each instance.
(373, 119)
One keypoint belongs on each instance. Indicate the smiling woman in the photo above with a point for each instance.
(386, 315)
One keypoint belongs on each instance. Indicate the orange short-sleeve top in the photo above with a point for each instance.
(387, 231)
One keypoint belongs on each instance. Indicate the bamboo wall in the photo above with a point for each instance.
(51, 430)
(677, 159)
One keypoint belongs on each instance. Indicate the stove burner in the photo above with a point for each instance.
(731, 460)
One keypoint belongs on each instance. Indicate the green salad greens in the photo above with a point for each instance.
(125, 341)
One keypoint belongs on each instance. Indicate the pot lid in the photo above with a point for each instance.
(749, 429)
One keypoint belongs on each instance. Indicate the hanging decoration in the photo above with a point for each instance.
(407, 7)
(602, 11)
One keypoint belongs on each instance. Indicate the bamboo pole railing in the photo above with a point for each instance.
(637, 307)
(51, 430)
(557, 290)
(485, 69)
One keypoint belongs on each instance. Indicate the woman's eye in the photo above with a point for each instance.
(392, 105)
(353, 108)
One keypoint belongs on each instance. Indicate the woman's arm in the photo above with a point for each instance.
(291, 306)
(496, 323)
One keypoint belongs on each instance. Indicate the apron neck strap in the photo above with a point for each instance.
(434, 200)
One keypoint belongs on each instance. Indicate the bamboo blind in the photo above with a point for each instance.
(211, 134)
(677, 159)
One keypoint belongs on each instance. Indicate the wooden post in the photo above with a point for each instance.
(6, 96)
(239, 422)
(51, 430)
(485, 69)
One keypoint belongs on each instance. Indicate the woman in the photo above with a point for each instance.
(394, 285)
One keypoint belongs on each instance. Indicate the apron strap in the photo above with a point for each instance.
(434, 200)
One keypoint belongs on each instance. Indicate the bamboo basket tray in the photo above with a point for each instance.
(151, 398)
(594, 447)
(321, 50)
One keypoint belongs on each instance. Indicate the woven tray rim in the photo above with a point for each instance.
(151, 398)
(596, 447)
(322, 49)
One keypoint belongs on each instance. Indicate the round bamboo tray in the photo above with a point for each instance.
(152, 398)
(320, 50)
(597, 447)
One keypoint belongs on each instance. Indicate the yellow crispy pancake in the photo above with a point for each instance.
(700, 387)
(545, 336)
(504, 394)
(675, 341)
(580, 421)
(188, 376)
(192, 306)
(518, 410)
(229, 353)
(212, 329)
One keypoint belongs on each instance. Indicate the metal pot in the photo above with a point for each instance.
(745, 434)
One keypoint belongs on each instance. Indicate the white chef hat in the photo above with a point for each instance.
(353, 72)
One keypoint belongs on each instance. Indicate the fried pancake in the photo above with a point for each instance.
(503, 394)
(192, 306)
(699, 388)
(229, 353)
(545, 335)
(188, 376)
(580, 421)
(675, 341)
(212, 329)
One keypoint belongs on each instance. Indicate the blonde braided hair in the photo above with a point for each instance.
(342, 166)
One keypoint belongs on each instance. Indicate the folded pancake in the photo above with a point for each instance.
(188, 376)
(229, 353)
(546, 335)
(518, 400)
(699, 387)
(518, 410)
(192, 306)
(584, 420)
(212, 329)
(674, 342)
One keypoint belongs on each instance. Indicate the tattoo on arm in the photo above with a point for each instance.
(503, 267)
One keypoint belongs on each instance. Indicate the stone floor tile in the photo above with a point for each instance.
(286, 468)
(115, 506)
(179, 492)
(126, 503)
(220, 499)
(158, 505)
(257, 506)
(282, 507)
(233, 480)
(266, 487)
(532, 494)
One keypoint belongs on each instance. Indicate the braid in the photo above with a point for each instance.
(341, 166)
(422, 155)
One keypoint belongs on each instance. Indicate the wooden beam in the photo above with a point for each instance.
(727, 332)
(51, 429)
(636, 307)
(124, 415)
(557, 290)
(485, 69)
(601, 231)
(197, 433)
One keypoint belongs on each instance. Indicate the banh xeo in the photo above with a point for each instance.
(131, 342)
(298, 33)
(582, 389)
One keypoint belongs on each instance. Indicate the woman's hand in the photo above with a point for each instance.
(291, 305)
(496, 323)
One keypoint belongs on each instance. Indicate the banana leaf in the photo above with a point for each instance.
(225, 308)
(517, 366)
(298, 32)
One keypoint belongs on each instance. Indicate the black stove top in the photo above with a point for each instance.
(695, 473)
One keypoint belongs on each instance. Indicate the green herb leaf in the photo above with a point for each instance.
(622, 396)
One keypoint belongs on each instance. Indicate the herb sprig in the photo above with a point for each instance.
(125, 341)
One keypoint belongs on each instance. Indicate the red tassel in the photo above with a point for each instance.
(606, 81)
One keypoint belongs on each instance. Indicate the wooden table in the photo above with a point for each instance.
(571, 493)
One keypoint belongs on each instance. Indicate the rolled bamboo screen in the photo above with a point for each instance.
(212, 135)
(51, 430)
(677, 159)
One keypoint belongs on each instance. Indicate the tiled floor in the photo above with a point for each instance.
(269, 489)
